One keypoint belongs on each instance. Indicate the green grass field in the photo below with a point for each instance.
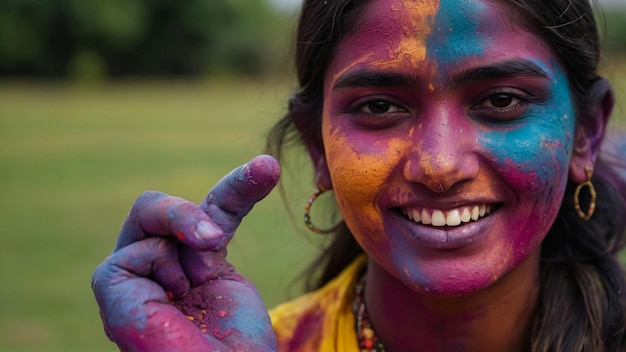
(73, 159)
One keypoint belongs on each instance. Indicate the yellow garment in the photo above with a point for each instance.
(321, 320)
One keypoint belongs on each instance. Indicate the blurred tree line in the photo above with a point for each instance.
(95, 39)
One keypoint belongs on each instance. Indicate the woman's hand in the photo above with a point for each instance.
(167, 285)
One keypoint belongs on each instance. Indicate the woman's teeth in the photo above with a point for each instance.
(452, 217)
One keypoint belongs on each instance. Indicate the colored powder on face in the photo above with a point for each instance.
(417, 18)
(355, 62)
(359, 170)
(454, 36)
(348, 163)
(539, 143)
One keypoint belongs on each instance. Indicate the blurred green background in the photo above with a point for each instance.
(103, 99)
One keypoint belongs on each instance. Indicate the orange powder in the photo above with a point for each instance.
(359, 176)
(356, 62)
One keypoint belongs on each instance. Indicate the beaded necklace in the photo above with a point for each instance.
(366, 336)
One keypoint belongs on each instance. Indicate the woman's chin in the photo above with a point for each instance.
(451, 287)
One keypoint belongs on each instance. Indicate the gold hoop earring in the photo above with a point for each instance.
(592, 194)
(307, 214)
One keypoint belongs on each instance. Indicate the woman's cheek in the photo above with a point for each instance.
(533, 153)
(533, 162)
(360, 166)
(530, 159)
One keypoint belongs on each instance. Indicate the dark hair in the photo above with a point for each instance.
(581, 305)
(321, 27)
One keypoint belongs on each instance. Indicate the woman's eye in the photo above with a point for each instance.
(501, 106)
(380, 107)
(501, 100)
(377, 112)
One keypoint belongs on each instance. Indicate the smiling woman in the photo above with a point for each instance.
(460, 139)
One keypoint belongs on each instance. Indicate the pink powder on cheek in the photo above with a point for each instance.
(542, 208)
(524, 180)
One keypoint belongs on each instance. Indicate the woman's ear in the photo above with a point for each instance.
(322, 175)
(589, 131)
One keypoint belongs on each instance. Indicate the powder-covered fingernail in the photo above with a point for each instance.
(206, 230)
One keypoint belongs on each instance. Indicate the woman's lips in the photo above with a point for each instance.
(448, 217)
(450, 228)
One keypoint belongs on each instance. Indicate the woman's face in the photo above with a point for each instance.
(448, 133)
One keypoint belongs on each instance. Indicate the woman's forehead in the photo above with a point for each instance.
(434, 34)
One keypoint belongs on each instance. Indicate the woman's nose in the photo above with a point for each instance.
(443, 152)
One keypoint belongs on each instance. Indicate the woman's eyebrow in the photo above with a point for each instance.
(503, 69)
(372, 78)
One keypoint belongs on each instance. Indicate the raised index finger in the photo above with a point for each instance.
(234, 195)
